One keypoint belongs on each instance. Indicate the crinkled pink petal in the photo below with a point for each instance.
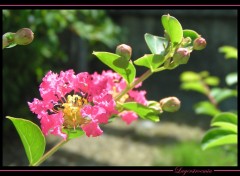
(128, 116)
(96, 113)
(138, 96)
(83, 82)
(92, 129)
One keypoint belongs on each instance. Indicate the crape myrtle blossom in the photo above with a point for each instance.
(114, 83)
(72, 101)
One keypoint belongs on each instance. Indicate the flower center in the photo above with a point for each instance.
(71, 111)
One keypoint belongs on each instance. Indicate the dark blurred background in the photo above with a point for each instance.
(65, 39)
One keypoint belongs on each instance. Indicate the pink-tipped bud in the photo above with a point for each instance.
(199, 43)
(181, 56)
(125, 51)
(24, 36)
(170, 104)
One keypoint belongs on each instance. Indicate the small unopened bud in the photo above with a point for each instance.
(199, 43)
(181, 56)
(125, 51)
(24, 36)
(170, 104)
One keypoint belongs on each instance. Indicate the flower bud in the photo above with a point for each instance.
(170, 104)
(181, 56)
(125, 51)
(24, 36)
(199, 43)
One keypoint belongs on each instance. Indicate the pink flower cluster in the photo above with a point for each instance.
(115, 84)
(83, 101)
(71, 101)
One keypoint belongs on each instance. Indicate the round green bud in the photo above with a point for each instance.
(125, 51)
(181, 56)
(199, 43)
(24, 36)
(170, 104)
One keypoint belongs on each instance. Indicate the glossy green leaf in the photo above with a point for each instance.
(212, 81)
(157, 45)
(194, 86)
(73, 133)
(143, 111)
(226, 126)
(221, 94)
(32, 138)
(225, 117)
(231, 78)
(229, 51)
(190, 33)
(122, 66)
(151, 61)
(205, 107)
(218, 137)
(188, 76)
(173, 29)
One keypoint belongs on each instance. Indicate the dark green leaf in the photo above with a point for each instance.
(151, 61)
(143, 111)
(205, 107)
(122, 66)
(32, 138)
(217, 137)
(157, 45)
(173, 29)
(221, 94)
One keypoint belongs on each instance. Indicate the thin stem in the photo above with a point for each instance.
(50, 153)
(133, 84)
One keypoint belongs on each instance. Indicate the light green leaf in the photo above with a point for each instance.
(143, 111)
(229, 51)
(122, 66)
(151, 61)
(71, 134)
(190, 33)
(188, 76)
(218, 137)
(225, 117)
(205, 107)
(194, 86)
(212, 81)
(221, 94)
(231, 78)
(32, 138)
(173, 29)
(226, 126)
(157, 45)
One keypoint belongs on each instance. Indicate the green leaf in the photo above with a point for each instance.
(229, 51)
(217, 137)
(73, 133)
(205, 107)
(32, 138)
(225, 126)
(190, 33)
(157, 45)
(173, 29)
(212, 81)
(143, 111)
(225, 117)
(189, 76)
(231, 78)
(122, 66)
(151, 61)
(221, 94)
(194, 86)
